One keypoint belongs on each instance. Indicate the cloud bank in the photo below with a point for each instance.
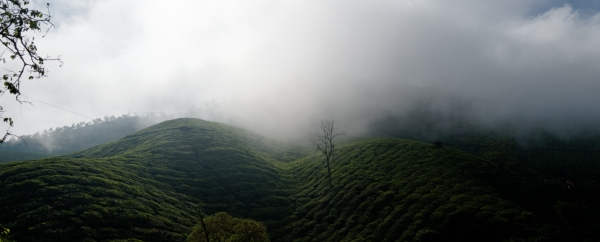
(278, 67)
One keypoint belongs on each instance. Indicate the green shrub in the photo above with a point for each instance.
(225, 228)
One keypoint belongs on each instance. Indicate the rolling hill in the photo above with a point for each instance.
(400, 190)
(147, 186)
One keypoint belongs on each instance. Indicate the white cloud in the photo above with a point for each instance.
(286, 64)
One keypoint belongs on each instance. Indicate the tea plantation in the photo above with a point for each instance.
(147, 186)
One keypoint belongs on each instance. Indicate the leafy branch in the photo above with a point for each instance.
(15, 21)
(3, 233)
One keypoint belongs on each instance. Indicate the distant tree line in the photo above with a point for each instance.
(83, 135)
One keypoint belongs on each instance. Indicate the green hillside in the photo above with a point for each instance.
(147, 185)
(8, 156)
(87, 200)
(173, 165)
(399, 190)
(574, 155)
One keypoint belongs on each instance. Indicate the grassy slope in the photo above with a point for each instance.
(173, 165)
(8, 156)
(227, 168)
(148, 183)
(73, 199)
(399, 190)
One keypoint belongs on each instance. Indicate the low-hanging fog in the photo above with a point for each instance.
(278, 67)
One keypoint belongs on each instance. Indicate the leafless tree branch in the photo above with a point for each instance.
(325, 143)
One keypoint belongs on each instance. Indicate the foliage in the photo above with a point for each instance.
(222, 227)
(3, 233)
(16, 20)
(94, 199)
(400, 190)
(144, 186)
(539, 164)
(147, 180)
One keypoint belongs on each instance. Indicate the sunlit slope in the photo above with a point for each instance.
(398, 190)
(225, 167)
(172, 165)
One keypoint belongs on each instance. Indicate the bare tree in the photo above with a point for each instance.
(327, 134)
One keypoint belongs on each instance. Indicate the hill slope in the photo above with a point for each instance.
(182, 161)
(146, 186)
(8, 156)
(399, 190)
(79, 200)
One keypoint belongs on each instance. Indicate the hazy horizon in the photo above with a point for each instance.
(277, 68)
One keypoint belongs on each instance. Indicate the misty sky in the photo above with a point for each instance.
(277, 67)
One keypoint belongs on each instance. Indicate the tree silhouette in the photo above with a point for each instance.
(325, 143)
(16, 20)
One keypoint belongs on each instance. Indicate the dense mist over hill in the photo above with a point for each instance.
(465, 120)
(277, 68)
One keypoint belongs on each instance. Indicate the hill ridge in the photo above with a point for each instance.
(247, 175)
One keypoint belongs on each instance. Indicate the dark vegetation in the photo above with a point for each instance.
(147, 185)
(537, 164)
(401, 190)
(575, 155)
(222, 227)
(3, 233)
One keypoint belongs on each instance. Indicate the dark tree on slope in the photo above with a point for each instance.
(16, 21)
(325, 143)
